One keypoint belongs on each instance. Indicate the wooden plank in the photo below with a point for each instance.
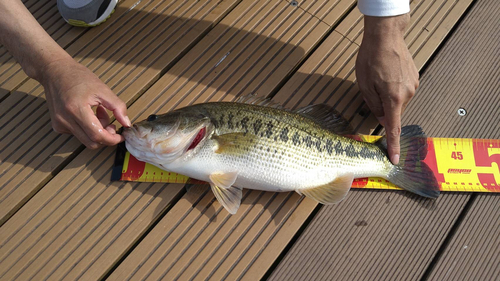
(465, 75)
(128, 54)
(327, 11)
(372, 234)
(80, 224)
(351, 241)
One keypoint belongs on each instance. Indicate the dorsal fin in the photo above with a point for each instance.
(327, 117)
(262, 101)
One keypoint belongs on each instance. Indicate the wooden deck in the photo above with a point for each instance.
(62, 218)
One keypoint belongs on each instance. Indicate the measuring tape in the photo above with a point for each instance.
(465, 165)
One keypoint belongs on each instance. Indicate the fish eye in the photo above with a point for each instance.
(152, 117)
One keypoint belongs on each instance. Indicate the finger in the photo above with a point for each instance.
(393, 129)
(381, 120)
(111, 129)
(410, 92)
(416, 79)
(93, 128)
(59, 125)
(373, 101)
(60, 129)
(78, 132)
(102, 115)
(403, 107)
(416, 76)
(115, 104)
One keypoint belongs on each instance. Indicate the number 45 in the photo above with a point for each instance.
(457, 155)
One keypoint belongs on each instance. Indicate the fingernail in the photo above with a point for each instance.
(128, 124)
(395, 159)
(111, 129)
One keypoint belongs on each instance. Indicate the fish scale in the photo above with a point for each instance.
(292, 127)
(301, 137)
(242, 145)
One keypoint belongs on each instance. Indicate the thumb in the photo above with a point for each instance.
(112, 102)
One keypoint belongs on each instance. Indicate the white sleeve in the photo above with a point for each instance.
(384, 8)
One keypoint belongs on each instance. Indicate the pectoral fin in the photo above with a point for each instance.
(227, 195)
(330, 193)
(234, 143)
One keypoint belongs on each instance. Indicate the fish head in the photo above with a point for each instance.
(174, 136)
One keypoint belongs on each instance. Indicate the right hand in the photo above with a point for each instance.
(72, 90)
(386, 74)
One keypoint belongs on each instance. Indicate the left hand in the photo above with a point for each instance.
(386, 74)
(72, 90)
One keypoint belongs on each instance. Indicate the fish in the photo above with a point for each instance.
(255, 143)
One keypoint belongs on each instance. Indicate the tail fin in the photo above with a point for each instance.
(412, 174)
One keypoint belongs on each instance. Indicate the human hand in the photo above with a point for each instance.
(386, 74)
(72, 91)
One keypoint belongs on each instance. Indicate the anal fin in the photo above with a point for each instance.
(332, 192)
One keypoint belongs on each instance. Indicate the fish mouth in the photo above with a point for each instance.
(198, 138)
(181, 145)
(134, 131)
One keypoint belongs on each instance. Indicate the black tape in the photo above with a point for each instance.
(116, 173)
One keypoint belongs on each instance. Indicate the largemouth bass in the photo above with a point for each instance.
(255, 144)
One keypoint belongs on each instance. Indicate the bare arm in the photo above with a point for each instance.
(386, 74)
(26, 40)
(71, 89)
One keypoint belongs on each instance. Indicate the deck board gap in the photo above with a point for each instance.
(449, 237)
(292, 242)
(446, 38)
(314, 48)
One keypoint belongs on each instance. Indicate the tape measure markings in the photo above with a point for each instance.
(464, 165)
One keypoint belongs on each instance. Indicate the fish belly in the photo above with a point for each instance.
(256, 172)
(269, 167)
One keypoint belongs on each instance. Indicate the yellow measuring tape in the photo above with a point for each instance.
(467, 165)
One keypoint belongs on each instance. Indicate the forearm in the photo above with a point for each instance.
(26, 40)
